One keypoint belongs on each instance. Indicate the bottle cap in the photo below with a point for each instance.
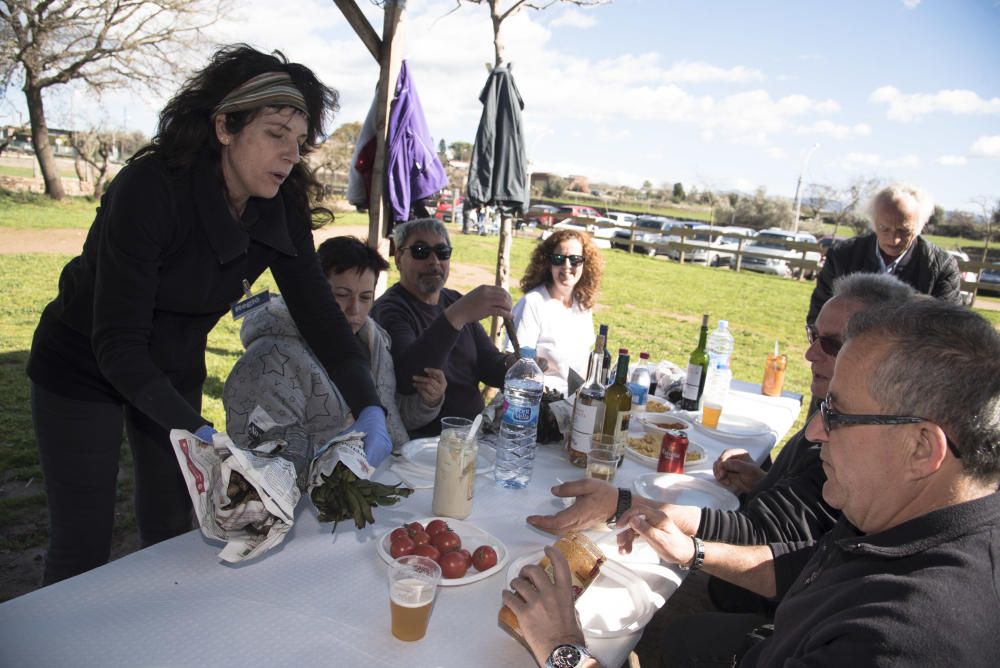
(603, 330)
(644, 356)
(723, 324)
(623, 351)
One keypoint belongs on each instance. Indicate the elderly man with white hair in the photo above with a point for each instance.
(898, 214)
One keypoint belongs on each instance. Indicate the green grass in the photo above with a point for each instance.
(34, 211)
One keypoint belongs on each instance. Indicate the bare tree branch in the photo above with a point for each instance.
(104, 44)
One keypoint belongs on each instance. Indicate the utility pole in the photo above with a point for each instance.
(798, 186)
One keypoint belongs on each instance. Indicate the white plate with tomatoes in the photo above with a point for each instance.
(485, 554)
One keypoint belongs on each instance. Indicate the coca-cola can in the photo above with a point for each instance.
(673, 450)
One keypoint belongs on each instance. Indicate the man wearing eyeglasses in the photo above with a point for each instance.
(910, 575)
(894, 246)
(434, 327)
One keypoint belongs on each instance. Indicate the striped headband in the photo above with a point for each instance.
(270, 89)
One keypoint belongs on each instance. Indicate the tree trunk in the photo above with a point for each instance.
(40, 142)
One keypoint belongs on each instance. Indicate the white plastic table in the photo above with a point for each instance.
(319, 598)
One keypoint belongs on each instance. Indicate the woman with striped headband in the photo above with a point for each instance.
(219, 196)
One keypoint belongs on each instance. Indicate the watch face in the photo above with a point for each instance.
(566, 656)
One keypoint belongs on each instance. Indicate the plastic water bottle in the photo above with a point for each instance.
(720, 376)
(515, 455)
(639, 383)
(720, 345)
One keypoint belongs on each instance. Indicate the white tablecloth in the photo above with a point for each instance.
(319, 598)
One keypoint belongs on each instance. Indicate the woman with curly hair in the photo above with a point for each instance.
(219, 196)
(554, 316)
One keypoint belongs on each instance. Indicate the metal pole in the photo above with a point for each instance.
(798, 186)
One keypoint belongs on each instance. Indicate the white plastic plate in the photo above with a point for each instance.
(472, 537)
(422, 452)
(617, 603)
(735, 428)
(684, 490)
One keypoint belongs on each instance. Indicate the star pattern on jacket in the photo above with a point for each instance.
(274, 361)
(316, 403)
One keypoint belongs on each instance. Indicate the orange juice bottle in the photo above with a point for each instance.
(774, 373)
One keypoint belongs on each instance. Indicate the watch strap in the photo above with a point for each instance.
(699, 555)
(624, 503)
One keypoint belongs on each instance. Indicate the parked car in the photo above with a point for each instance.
(601, 234)
(577, 210)
(768, 254)
(621, 218)
(443, 210)
(648, 230)
(989, 280)
(713, 246)
(542, 215)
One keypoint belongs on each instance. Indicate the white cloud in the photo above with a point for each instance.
(987, 147)
(876, 160)
(835, 130)
(698, 72)
(952, 160)
(777, 153)
(574, 18)
(911, 4)
(906, 107)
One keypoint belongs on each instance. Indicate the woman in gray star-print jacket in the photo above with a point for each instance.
(278, 382)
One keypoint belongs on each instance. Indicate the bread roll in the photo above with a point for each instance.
(584, 558)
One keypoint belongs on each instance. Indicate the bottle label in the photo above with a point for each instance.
(621, 429)
(692, 382)
(639, 393)
(584, 419)
(522, 416)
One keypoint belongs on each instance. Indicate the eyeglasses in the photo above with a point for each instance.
(421, 251)
(832, 420)
(558, 260)
(827, 344)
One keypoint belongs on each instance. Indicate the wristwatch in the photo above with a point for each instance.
(699, 555)
(568, 656)
(624, 503)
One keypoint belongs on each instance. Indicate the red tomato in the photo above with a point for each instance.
(434, 527)
(453, 565)
(427, 551)
(396, 534)
(468, 556)
(447, 541)
(401, 547)
(484, 558)
(420, 537)
(415, 526)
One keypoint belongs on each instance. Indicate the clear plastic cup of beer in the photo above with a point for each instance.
(413, 583)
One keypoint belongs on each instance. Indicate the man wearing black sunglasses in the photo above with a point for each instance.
(434, 327)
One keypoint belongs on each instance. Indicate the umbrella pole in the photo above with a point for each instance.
(503, 271)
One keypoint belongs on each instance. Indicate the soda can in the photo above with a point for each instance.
(673, 450)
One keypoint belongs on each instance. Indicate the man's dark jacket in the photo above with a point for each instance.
(926, 267)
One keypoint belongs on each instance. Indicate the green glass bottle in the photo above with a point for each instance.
(694, 383)
(617, 410)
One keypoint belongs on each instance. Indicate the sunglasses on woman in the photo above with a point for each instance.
(827, 344)
(832, 420)
(558, 260)
(421, 251)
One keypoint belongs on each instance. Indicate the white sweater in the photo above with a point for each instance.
(561, 336)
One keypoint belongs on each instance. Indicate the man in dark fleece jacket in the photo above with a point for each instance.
(909, 576)
(434, 327)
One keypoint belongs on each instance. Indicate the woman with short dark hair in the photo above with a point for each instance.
(219, 196)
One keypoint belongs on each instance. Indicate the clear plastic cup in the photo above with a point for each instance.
(413, 582)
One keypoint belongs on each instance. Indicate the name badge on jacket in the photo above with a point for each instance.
(251, 303)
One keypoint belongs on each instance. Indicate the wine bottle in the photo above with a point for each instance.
(617, 410)
(588, 409)
(606, 358)
(694, 383)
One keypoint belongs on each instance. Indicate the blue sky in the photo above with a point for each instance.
(716, 94)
